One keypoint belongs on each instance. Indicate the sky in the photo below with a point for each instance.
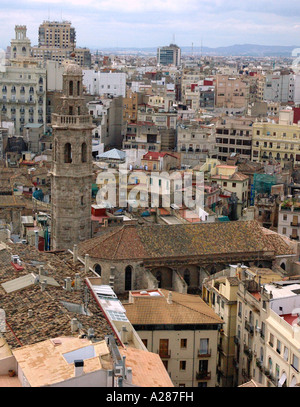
(152, 23)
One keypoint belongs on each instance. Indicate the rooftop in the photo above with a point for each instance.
(49, 316)
(186, 240)
(155, 309)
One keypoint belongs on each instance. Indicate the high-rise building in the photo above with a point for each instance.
(169, 55)
(56, 34)
(71, 170)
(57, 42)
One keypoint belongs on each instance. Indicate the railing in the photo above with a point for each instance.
(248, 352)
(259, 364)
(249, 327)
(69, 119)
(164, 354)
(203, 375)
(202, 354)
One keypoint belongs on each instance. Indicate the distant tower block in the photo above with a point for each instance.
(71, 171)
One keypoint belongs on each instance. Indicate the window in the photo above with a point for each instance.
(68, 153)
(183, 343)
(271, 341)
(295, 363)
(204, 342)
(278, 348)
(182, 365)
(97, 268)
(233, 185)
(128, 278)
(285, 354)
(84, 153)
(71, 88)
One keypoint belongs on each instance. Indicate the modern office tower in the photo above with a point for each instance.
(169, 55)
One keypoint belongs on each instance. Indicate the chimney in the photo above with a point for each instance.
(75, 253)
(90, 333)
(86, 263)
(43, 285)
(77, 282)
(41, 270)
(74, 325)
(30, 313)
(78, 367)
(68, 286)
(169, 299)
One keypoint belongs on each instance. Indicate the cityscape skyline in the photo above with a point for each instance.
(136, 23)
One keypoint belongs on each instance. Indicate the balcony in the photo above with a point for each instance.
(203, 354)
(164, 354)
(248, 352)
(236, 340)
(259, 364)
(294, 224)
(249, 327)
(294, 237)
(203, 375)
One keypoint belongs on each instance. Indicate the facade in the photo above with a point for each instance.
(182, 329)
(142, 136)
(276, 87)
(57, 42)
(104, 83)
(219, 292)
(229, 179)
(231, 92)
(169, 55)
(196, 142)
(234, 136)
(288, 220)
(267, 331)
(23, 85)
(280, 141)
(71, 172)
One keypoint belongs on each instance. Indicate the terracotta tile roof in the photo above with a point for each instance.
(185, 309)
(147, 368)
(165, 241)
(50, 318)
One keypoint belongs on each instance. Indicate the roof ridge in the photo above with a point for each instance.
(199, 312)
(120, 238)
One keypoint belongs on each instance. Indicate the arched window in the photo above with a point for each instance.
(128, 278)
(78, 88)
(187, 276)
(68, 153)
(71, 88)
(41, 81)
(97, 268)
(270, 364)
(84, 153)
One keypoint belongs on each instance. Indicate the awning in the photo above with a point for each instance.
(282, 380)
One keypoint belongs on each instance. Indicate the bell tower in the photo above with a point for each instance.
(71, 172)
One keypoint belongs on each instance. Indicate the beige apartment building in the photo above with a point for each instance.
(289, 220)
(219, 291)
(280, 141)
(230, 179)
(234, 136)
(182, 329)
(268, 330)
(23, 85)
(231, 92)
(196, 142)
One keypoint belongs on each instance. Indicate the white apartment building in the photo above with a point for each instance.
(104, 83)
(289, 220)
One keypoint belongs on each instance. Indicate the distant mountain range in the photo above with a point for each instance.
(233, 50)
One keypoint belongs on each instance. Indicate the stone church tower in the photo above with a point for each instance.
(71, 172)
